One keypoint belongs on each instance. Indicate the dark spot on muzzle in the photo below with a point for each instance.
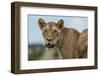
(50, 45)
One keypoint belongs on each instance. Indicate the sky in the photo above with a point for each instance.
(35, 34)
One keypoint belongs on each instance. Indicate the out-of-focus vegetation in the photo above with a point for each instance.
(40, 52)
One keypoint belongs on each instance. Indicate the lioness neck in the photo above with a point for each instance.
(61, 41)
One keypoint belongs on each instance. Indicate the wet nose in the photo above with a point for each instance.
(49, 39)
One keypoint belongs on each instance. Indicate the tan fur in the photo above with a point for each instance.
(68, 42)
(64, 38)
(82, 44)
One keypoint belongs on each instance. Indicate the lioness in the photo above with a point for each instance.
(56, 35)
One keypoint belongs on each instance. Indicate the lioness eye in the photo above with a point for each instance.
(55, 34)
(55, 31)
(45, 30)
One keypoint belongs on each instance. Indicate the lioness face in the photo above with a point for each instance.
(51, 32)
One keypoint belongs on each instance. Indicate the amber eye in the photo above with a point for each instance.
(54, 31)
(45, 31)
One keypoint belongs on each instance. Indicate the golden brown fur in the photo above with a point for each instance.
(67, 46)
(55, 34)
(82, 44)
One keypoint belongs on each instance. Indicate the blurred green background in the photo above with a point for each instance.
(40, 52)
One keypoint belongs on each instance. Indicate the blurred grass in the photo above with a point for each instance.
(40, 52)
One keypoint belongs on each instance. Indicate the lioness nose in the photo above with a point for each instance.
(49, 39)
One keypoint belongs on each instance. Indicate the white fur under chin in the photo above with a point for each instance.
(48, 54)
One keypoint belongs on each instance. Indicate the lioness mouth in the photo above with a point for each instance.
(50, 45)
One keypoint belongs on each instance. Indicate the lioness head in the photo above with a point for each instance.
(51, 32)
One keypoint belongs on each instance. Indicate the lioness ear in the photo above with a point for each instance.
(41, 23)
(60, 24)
